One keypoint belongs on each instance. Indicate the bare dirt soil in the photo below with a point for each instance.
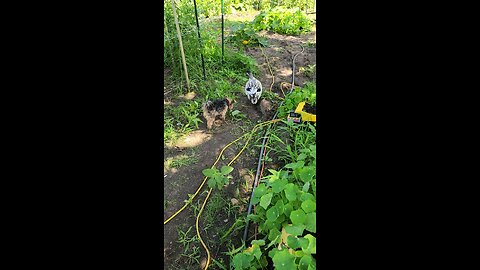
(180, 182)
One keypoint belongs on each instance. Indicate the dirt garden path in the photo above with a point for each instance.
(207, 146)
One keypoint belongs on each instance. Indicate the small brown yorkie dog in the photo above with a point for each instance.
(212, 109)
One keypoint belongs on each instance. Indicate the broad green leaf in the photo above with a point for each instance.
(280, 219)
(311, 222)
(298, 217)
(269, 225)
(209, 172)
(279, 185)
(258, 242)
(242, 261)
(292, 242)
(303, 243)
(279, 205)
(273, 252)
(304, 262)
(306, 173)
(295, 229)
(290, 192)
(258, 193)
(287, 209)
(312, 244)
(265, 200)
(211, 183)
(307, 196)
(283, 260)
(256, 251)
(272, 214)
(226, 170)
(309, 206)
(273, 234)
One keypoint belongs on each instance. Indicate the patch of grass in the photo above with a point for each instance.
(180, 161)
(189, 249)
(184, 161)
(214, 207)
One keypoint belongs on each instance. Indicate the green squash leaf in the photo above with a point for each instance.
(295, 230)
(279, 185)
(265, 200)
(290, 192)
(305, 262)
(298, 217)
(258, 242)
(272, 214)
(311, 222)
(283, 260)
(306, 173)
(309, 206)
(312, 244)
(242, 261)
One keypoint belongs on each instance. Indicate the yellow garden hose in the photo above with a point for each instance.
(210, 191)
(219, 156)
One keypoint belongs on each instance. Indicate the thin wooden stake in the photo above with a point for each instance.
(181, 45)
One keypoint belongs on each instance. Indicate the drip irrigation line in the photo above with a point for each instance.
(211, 189)
(257, 178)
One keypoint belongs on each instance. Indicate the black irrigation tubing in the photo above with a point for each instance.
(245, 233)
(199, 38)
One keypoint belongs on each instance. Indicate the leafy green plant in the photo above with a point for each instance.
(286, 214)
(285, 199)
(307, 93)
(283, 21)
(246, 34)
(218, 178)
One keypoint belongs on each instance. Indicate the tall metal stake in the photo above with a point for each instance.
(222, 32)
(199, 39)
(181, 44)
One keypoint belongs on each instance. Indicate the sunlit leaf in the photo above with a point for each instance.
(226, 170)
(209, 172)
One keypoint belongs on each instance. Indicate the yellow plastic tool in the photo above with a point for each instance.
(305, 116)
